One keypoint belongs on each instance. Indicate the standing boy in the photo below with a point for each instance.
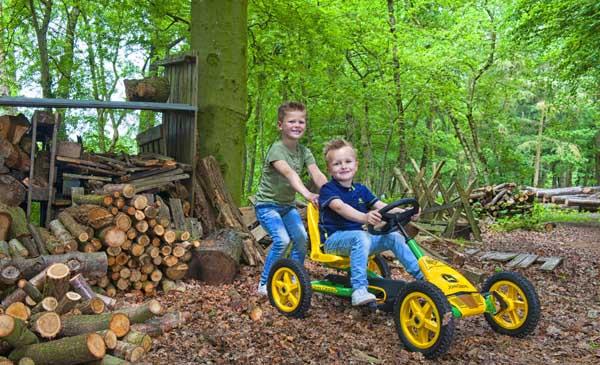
(345, 206)
(275, 199)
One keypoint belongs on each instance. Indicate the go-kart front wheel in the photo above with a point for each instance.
(517, 304)
(423, 319)
(289, 288)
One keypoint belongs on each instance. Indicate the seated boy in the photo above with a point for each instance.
(344, 207)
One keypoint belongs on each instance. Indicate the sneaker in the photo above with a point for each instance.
(262, 289)
(362, 296)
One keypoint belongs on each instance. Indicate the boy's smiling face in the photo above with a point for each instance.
(293, 125)
(342, 165)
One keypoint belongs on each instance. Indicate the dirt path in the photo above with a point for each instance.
(222, 331)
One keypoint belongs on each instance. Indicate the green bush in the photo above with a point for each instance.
(540, 214)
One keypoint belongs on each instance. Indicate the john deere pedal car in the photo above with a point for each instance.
(424, 310)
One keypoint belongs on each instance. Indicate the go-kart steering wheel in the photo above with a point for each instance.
(393, 221)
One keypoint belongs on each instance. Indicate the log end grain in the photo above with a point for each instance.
(119, 324)
(96, 346)
(48, 325)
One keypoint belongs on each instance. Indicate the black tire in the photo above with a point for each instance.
(527, 321)
(280, 297)
(422, 291)
(383, 268)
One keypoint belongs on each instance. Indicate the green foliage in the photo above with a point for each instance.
(539, 215)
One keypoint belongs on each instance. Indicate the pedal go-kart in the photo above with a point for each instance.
(423, 310)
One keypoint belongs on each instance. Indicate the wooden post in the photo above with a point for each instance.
(52, 167)
(32, 162)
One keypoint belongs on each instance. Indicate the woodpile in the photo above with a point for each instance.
(59, 319)
(502, 200)
(15, 148)
(575, 197)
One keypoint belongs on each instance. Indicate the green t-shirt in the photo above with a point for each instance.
(273, 186)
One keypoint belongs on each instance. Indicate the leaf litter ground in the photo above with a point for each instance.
(232, 324)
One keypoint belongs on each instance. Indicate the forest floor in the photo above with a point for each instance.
(222, 330)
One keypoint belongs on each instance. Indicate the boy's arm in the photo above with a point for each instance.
(284, 169)
(372, 217)
(317, 176)
(379, 204)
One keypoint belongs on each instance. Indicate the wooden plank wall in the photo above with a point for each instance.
(180, 127)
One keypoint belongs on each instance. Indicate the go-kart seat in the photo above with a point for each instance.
(316, 247)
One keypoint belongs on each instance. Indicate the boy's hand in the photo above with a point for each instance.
(313, 198)
(416, 217)
(373, 217)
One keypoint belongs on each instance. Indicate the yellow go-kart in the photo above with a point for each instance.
(424, 310)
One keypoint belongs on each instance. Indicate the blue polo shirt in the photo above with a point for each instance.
(357, 196)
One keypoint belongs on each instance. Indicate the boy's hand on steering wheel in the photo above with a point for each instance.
(416, 217)
(373, 217)
(313, 198)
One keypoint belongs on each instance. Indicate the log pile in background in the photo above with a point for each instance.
(61, 320)
(502, 200)
(15, 148)
(575, 197)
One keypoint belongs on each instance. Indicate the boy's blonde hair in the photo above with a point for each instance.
(290, 106)
(336, 144)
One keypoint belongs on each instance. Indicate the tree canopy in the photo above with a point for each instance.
(499, 90)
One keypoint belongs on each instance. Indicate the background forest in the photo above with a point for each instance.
(500, 90)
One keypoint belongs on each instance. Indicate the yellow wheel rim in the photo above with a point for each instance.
(515, 313)
(286, 290)
(374, 267)
(420, 320)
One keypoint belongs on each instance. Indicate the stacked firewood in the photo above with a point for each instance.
(15, 147)
(56, 318)
(578, 197)
(144, 247)
(502, 200)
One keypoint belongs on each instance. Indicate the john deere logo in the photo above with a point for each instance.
(449, 278)
(360, 201)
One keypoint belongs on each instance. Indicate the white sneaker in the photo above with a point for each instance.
(362, 296)
(262, 289)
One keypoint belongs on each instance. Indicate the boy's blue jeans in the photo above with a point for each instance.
(284, 224)
(359, 245)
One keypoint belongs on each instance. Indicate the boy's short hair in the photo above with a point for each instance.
(290, 106)
(336, 144)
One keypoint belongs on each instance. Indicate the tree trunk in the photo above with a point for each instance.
(222, 90)
(538, 147)
(217, 259)
(66, 351)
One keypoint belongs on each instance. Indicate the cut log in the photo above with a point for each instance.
(53, 245)
(47, 325)
(177, 272)
(91, 215)
(9, 275)
(92, 306)
(35, 234)
(128, 351)
(216, 261)
(13, 128)
(139, 202)
(142, 312)
(110, 360)
(63, 235)
(139, 339)
(95, 199)
(31, 247)
(122, 222)
(68, 302)
(110, 338)
(177, 213)
(15, 332)
(126, 190)
(10, 153)
(18, 310)
(18, 226)
(31, 290)
(19, 294)
(48, 304)
(4, 250)
(157, 326)
(57, 280)
(78, 231)
(68, 149)
(5, 221)
(65, 351)
(17, 249)
(85, 323)
(112, 236)
(153, 89)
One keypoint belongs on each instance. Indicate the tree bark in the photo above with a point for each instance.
(93, 265)
(85, 323)
(143, 312)
(12, 192)
(63, 235)
(159, 325)
(79, 231)
(217, 259)
(222, 90)
(15, 332)
(91, 215)
(66, 351)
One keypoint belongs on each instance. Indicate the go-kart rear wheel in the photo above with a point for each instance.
(423, 319)
(517, 303)
(379, 266)
(289, 288)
